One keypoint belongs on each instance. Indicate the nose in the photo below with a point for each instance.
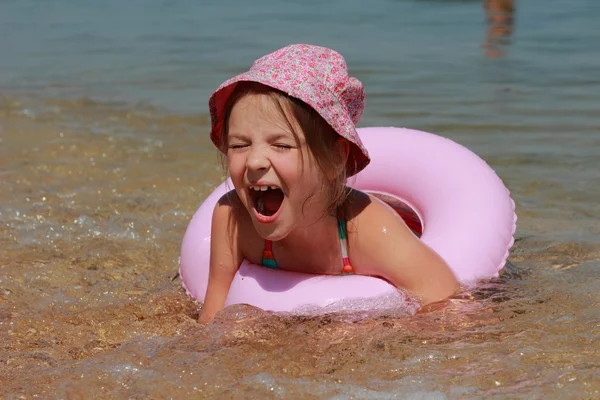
(257, 159)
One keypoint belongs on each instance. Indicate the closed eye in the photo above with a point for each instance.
(282, 146)
(237, 146)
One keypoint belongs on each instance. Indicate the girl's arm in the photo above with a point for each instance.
(384, 246)
(225, 258)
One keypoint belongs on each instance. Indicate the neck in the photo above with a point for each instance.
(313, 236)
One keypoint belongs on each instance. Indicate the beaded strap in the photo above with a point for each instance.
(347, 268)
(267, 259)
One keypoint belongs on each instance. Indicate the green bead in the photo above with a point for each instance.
(269, 263)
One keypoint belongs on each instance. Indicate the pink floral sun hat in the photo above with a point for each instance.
(316, 75)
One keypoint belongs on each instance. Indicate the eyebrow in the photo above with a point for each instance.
(236, 135)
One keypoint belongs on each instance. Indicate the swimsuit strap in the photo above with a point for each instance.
(343, 234)
(268, 260)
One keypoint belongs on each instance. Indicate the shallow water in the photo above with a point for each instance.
(104, 158)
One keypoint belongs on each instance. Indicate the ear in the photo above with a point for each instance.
(341, 152)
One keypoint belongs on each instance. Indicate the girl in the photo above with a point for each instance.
(287, 130)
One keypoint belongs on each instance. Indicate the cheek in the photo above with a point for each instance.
(290, 170)
(236, 168)
(308, 179)
(311, 173)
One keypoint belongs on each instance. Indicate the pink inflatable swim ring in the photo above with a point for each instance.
(466, 213)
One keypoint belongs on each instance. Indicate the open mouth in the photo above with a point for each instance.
(266, 200)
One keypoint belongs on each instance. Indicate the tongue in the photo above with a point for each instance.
(271, 201)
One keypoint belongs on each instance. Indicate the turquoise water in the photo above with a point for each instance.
(104, 158)
(415, 57)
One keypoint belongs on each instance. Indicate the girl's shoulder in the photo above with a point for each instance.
(361, 208)
(374, 229)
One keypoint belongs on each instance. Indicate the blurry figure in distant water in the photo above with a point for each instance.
(500, 17)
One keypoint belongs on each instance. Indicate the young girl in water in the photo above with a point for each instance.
(287, 130)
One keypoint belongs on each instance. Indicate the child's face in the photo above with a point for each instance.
(263, 154)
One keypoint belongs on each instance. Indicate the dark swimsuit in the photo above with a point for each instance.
(268, 260)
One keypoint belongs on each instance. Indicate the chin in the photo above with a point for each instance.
(272, 232)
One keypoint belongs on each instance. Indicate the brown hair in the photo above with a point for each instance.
(320, 137)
